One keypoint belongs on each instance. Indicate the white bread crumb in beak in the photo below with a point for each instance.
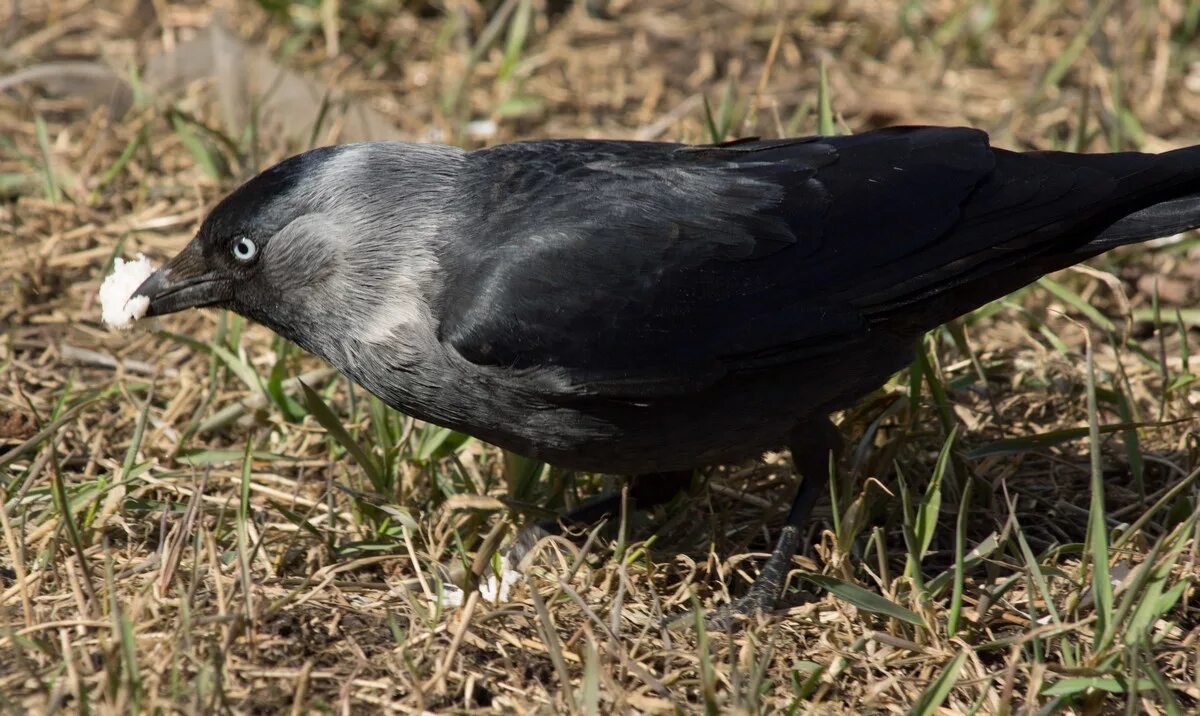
(117, 308)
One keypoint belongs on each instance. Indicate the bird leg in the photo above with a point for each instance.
(812, 443)
(645, 491)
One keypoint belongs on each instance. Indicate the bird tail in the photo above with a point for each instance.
(1177, 205)
(1158, 196)
(1166, 218)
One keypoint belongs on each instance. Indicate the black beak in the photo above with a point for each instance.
(185, 282)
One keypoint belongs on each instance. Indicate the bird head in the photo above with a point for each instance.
(318, 246)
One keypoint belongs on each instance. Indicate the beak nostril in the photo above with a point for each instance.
(151, 285)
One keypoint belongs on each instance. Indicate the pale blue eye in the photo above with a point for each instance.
(244, 249)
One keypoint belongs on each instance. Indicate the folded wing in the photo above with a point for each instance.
(636, 270)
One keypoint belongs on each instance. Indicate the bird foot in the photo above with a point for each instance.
(758, 602)
(755, 604)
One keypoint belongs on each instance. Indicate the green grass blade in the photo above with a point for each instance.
(725, 111)
(931, 505)
(518, 30)
(62, 503)
(1080, 684)
(53, 190)
(1165, 693)
(980, 552)
(925, 358)
(123, 629)
(119, 165)
(1058, 70)
(1077, 302)
(707, 677)
(290, 407)
(1097, 532)
(1144, 601)
(1079, 138)
(825, 123)
(1039, 578)
(205, 156)
(960, 546)
(863, 599)
(931, 700)
(710, 124)
(139, 431)
(243, 531)
(319, 410)
(436, 442)
(1042, 441)
(300, 522)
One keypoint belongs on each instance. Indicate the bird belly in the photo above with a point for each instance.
(739, 417)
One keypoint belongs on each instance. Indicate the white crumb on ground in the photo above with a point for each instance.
(493, 589)
(498, 590)
(116, 307)
(452, 597)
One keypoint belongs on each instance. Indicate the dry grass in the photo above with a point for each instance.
(146, 565)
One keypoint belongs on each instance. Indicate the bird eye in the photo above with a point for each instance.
(244, 249)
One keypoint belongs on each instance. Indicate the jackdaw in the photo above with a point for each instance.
(645, 308)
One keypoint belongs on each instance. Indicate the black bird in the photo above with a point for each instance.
(648, 308)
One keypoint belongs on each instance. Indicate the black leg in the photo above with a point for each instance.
(645, 491)
(812, 443)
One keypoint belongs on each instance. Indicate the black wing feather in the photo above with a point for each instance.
(646, 269)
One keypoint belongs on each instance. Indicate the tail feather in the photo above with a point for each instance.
(1156, 196)
(1163, 219)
